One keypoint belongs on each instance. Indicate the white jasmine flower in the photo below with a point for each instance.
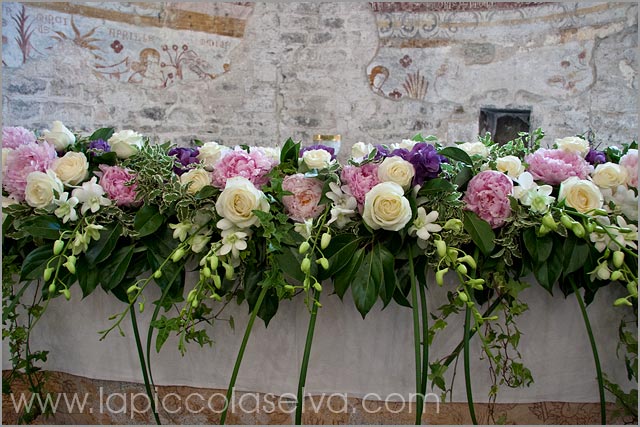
(425, 224)
(181, 230)
(537, 197)
(91, 196)
(199, 241)
(92, 231)
(344, 204)
(233, 241)
(304, 228)
(66, 208)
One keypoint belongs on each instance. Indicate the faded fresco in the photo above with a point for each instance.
(428, 51)
(137, 43)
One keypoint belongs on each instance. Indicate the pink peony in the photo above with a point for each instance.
(360, 180)
(13, 137)
(114, 180)
(307, 192)
(254, 166)
(23, 160)
(553, 166)
(488, 196)
(630, 162)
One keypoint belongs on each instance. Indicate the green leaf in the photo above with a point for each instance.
(206, 192)
(576, 253)
(366, 283)
(147, 220)
(100, 250)
(289, 263)
(437, 185)
(342, 280)
(339, 253)
(480, 231)
(108, 158)
(114, 271)
(103, 133)
(538, 247)
(34, 264)
(386, 260)
(88, 277)
(161, 338)
(463, 177)
(455, 153)
(47, 227)
(548, 272)
(290, 152)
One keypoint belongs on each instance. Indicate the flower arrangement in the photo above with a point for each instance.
(115, 211)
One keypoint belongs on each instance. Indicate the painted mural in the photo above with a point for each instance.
(427, 51)
(151, 44)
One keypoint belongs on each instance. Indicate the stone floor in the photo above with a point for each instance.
(113, 402)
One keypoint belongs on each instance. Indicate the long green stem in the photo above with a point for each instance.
(143, 364)
(425, 339)
(467, 367)
(305, 358)
(416, 338)
(594, 350)
(245, 339)
(156, 311)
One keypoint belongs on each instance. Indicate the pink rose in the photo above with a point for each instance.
(13, 137)
(254, 166)
(630, 162)
(114, 180)
(307, 192)
(488, 196)
(21, 161)
(553, 166)
(360, 179)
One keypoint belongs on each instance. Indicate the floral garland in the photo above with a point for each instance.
(262, 224)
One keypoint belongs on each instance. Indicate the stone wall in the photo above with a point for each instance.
(277, 70)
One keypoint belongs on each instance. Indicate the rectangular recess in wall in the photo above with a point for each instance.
(504, 124)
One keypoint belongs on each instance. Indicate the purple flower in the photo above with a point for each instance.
(185, 156)
(425, 160)
(382, 152)
(99, 147)
(330, 150)
(595, 157)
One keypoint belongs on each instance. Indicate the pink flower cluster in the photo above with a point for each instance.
(488, 196)
(553, 166)
(23, 160)
(254, 166)
(114, 181)
(360, 179)
(630, 162)
(307, 192)
(13, 137)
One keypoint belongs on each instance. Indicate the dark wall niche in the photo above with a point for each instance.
(504, 124)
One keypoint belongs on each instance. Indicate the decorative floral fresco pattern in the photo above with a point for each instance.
(427, 51)
(139, 43)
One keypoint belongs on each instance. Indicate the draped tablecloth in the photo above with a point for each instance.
(349, 355)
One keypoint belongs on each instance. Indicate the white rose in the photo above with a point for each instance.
(580, 194)
(473, 148)
(72, 168)
(609, 175)
(238, 200)
(197, 178)
(386, 207)
(210, 153)
(59, 136)
(395, 169)
(511, 165)
(573, 144)
(360, 150)
(39, 192)
(317, 159)
(125, 143)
